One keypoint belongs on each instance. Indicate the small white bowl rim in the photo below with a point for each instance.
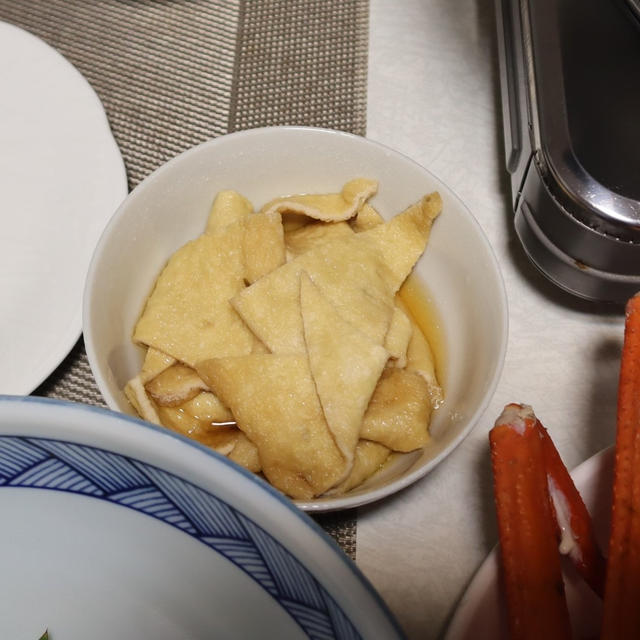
(347, 501)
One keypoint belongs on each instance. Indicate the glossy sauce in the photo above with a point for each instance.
(416, 297)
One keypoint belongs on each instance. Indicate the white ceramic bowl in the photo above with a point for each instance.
(170, 207)
(114, 528)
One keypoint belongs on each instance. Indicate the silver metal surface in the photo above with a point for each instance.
(634, 6)
(570, 74)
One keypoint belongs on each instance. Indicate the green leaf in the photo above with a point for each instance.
(45, 635)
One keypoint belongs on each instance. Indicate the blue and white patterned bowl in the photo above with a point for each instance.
(112, 528)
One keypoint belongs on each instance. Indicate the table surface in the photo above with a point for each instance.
(433, 93)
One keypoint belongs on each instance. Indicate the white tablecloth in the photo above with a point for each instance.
(434, 95)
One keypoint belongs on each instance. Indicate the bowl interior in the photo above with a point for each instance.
(458, 269)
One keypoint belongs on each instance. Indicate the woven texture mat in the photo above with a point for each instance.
(174, 73)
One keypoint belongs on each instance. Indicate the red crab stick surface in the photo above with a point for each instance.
(621, 615)
(532, 577)
(574, 524)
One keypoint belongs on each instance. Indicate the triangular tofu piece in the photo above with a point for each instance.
(175, 385)
(329, 207)
(350, 273)
(399, 411)
(345, 365)
(222, 438)
(155, 362)
(140, 400)
(245, 453)
(274, 401)
(359, 273)
(188, 315)
(369, 458)
(403, 239)
(207, 408)
(228, 207)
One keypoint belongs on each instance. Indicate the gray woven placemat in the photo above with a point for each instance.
(172, 74)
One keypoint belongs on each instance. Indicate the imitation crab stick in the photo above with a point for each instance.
(575, 528)
(621, 614)
(532, 575)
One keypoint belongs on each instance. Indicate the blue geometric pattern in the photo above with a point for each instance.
(63, 466)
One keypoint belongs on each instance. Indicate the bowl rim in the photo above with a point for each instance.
(373, 495)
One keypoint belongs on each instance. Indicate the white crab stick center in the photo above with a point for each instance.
(515, 416)
(568, 545)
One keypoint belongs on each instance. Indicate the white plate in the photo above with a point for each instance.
(482, 610)
(113, 528)
(61, 178)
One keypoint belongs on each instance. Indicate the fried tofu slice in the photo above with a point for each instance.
(274, 401)
(175, 385)
(399, 411)
(139, 399)
(350, 273)
(420, 360)
(203, 418)
(403, 239)
(420, 355)
(308, 236)
(165, 382)
(263, 245)
(329, 207)
(245, 453)
(155, 362)
(366, 218)
(345, 366)
(208, 408)
(188, 315)
(221, 438)
(199, 409)
(263, 242)
(226, 439)
(398, 336)
(360, 275)
(369, 458)
(228, 207)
